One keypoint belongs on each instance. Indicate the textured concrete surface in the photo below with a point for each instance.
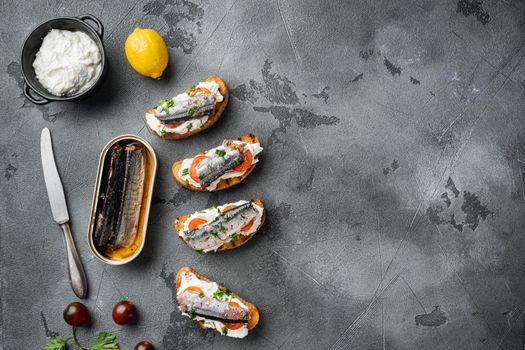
(393, 172)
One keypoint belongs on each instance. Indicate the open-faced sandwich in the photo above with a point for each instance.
(227, 226)
(212, 306)
(187, 114)
(220, 167)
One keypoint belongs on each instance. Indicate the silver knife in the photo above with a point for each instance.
(57, 200)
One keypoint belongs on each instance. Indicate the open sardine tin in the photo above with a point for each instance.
(123, 255)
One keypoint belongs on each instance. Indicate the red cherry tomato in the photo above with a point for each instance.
(77, 315)
(124, 312)
(144, 345)
(234, 326)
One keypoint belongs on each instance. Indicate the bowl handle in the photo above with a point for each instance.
(38, 101)
(99, 29)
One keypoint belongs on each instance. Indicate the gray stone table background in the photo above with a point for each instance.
(393, 172)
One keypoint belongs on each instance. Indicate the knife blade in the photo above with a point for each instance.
(55, 190)
(57, 201)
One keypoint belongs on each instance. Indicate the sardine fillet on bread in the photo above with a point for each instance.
(253, 311)
(212, 119)
(241, 239)
(224, 183)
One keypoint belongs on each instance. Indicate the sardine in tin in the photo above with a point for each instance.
(151, 170)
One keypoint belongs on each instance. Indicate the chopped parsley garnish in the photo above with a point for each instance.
(201, 295)
(191, 314)
(193, 110)
(234, 237)
(222, 228)
(202, 125)
(187, 182)
(185, 171)
(201, 176)
(193, 88)
(215, 232)
(221, 292)
(163, 132)
(169, 103)
(189, 126)
(224, 330)
(237, 161)
(220, 152)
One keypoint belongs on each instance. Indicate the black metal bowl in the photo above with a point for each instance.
(32, 44)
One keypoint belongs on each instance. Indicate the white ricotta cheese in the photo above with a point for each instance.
(67, 62)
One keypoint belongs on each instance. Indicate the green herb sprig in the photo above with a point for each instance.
(56, 344)
(193, 110)
(169, 103)
(191, 314)
(105, 341)
(220, 293)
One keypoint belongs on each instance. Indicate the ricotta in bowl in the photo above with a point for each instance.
(68, 62)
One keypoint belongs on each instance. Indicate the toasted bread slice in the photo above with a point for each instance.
(179, 225)
(224, 183)
(219, 108)
(254, 312)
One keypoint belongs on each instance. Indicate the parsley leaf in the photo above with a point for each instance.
(215, 232)
(218, 293)
(201, 176)
(193, 110)
(169, 103)
(105, 341)
(237, 161)
(185, 171)
(221, 292)
(220, 152)
(224, 330)
(163, 132)
(189, 126)
(165, 100)
(55, 344)
(201, 295)
(191, 314)
(193, 88)
(234, 237)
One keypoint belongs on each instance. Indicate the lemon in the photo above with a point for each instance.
(146, 52)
